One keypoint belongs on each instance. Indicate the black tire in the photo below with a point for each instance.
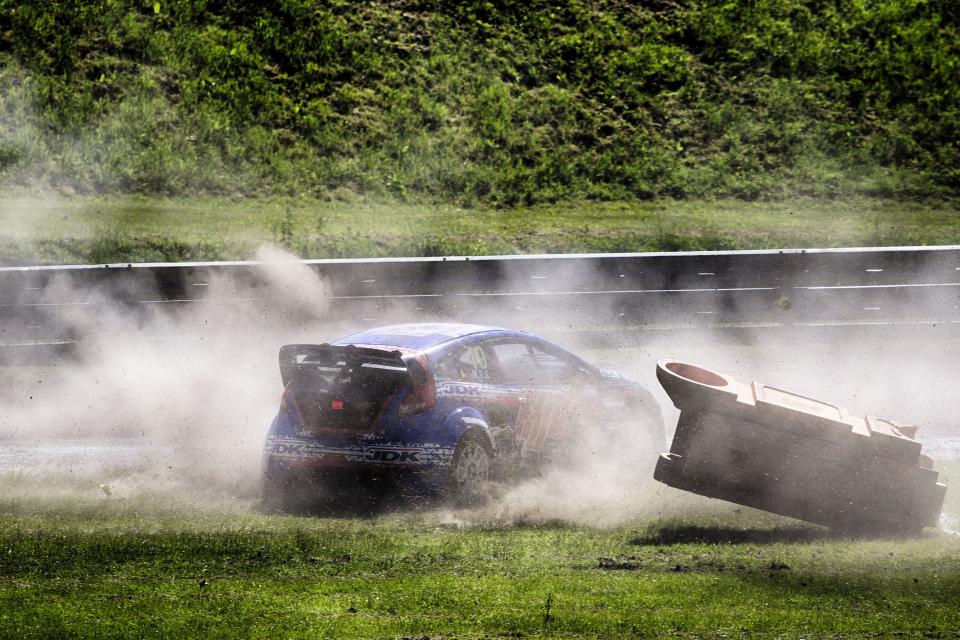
(274, 492)
(470, 473)
(291, 493)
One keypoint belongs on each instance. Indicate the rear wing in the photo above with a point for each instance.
(293, 357)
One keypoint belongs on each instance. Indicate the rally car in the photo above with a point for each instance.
(447, 409)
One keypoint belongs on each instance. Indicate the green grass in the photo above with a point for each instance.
(139, 228)
(500, 103)
(346, 129)
(700, 568)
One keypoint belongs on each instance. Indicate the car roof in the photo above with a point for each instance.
(420, 335)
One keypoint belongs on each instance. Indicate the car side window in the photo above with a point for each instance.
(472, 363)
(516, 363)
(552, 368)
(525, 363)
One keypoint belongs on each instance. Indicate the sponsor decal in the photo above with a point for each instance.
(425, 455)
(298, 449)
(287, 449)
(458, 390)
(377, 454)
(478, 391)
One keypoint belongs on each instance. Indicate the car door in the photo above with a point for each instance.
(469, 376)
(545, 382)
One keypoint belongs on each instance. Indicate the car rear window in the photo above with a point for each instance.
(331, 391)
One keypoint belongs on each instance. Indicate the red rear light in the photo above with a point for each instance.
(423, 395)
(336, 405)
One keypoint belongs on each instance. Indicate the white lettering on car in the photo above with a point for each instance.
(426, 454)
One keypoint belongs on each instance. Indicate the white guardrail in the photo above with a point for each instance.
(791, 287)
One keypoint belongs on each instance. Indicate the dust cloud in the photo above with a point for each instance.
(172, 401)
(168, 400)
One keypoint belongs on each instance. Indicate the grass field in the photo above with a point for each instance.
(134, 228)
(694, 568)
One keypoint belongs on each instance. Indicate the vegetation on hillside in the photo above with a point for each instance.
(497, 103)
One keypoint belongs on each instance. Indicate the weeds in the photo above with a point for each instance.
(547, 606)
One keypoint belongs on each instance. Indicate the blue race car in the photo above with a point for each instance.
(439, 409)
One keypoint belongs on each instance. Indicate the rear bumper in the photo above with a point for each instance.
(311, 480)
(294, 452)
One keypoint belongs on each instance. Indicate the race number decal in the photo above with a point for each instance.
(474, 364)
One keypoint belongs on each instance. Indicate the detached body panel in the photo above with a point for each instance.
(782, 452)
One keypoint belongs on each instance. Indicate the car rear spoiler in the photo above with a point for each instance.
(292, 357)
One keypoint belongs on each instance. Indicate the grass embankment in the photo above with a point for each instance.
(344, 129)
(82, 569)
(494, 104)
(136, 229)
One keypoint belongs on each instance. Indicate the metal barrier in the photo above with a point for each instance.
(776, 287)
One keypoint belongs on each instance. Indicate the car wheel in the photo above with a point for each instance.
(275, 492)
(291, 493)
(470, 475)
